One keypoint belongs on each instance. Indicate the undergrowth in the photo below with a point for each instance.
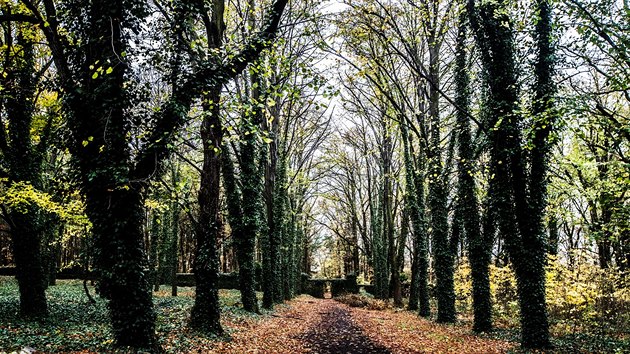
(363, 301)
(74, 324)
(589, 308)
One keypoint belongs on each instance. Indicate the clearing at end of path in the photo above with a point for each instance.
(309, 325)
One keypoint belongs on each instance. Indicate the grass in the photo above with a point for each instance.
(76, 325)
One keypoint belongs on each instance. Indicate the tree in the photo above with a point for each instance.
(479, 244)
(516, 198)
(206, 312)
(419, 292)
(95, 77)
(243, 208)
(23, 161)
(597, 102)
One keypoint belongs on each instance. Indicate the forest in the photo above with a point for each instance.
(308, 176)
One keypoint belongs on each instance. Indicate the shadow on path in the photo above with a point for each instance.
(337, 333)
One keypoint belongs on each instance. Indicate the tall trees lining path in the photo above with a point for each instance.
(402, 177)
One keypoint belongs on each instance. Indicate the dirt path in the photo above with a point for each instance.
(325, 326)
(337, 332)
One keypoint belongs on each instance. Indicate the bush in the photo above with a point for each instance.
(588, 297)
(584, 298)
(356, 300)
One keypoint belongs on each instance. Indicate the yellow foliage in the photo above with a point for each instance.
(19, 196)
(583, 295)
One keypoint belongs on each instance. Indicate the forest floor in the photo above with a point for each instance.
(303, 325)
(309, 325)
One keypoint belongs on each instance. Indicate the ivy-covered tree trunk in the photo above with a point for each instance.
(288, 244)
(32, 280)
(252, 203)
(293, 242)
(399, 259)
(424, 306)
(443, 261)
(268, 262)
(479, 246)
(24, 160)
(517, 203)
(533, 306)
(275, 170)
(414, 199)
(170, 236)
(279, 230)
(392, 280)
(156, 244)
(205, 314)
(51, 247)
(300, 241)
(116, 216)
(244, 226)
(251, 228)
(113, 205)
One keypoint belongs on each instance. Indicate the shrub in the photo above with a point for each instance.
(583, 297)
(356, 300)
(587, 296)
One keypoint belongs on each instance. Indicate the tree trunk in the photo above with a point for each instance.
(419, 294)
(173, 238)
(206, 312)
(279, 230)
(252, 203)
(517, 199)
(155, 241)
(480, 247)
(399, 259)
(243, 216)
(32, 281)
(116, 215)
(443, 261)
(268, 159)
(24, 164)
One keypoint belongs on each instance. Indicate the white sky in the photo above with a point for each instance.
(332, 6)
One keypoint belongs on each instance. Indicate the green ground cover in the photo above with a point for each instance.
(76, 325)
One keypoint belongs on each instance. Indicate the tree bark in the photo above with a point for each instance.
(205, 314)
(443, 261)
(468, 205)
(24, 166)
(516, 202)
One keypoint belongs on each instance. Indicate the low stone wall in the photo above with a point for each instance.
(314, 287)
(67, 273)
(226, 280)
(7, 271)
(338, 287)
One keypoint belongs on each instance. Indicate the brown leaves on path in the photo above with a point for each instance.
(337, 332)
(309, 325)
(406, 332)
(278, 333)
